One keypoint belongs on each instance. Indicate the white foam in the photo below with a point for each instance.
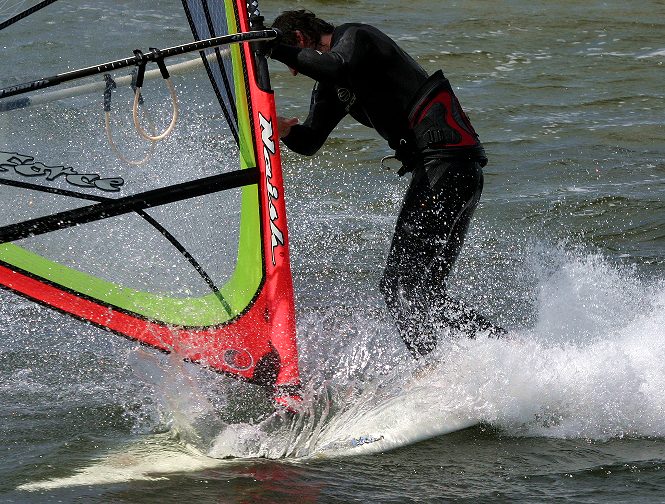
(592, 367)
(151, 459)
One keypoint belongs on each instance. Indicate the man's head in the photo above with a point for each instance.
(302, 28)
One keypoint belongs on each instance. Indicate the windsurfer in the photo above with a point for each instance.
(362, 72)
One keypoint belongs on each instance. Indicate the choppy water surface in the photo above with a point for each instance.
(566, 250)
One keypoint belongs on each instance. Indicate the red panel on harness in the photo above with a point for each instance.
(438, 120)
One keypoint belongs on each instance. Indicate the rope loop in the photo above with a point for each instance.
(156, 56)
(110, 86)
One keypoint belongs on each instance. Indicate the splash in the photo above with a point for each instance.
(590, 367)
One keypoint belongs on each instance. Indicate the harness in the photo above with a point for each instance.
(438, 127)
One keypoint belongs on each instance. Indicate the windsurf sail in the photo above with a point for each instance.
(187, 253)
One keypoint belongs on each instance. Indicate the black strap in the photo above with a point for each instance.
(110, 86)
(159, 59)
(141, 62)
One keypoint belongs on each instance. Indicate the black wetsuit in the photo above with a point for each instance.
(368, 76)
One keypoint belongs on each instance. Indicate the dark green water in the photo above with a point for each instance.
(566, 250)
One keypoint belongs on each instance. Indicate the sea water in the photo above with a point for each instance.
(566, 251)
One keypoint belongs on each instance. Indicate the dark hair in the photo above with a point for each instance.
(304, 21)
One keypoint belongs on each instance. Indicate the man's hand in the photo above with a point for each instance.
(284, 125)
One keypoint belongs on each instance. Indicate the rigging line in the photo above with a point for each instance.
(53, 190)
(199, 269)
(227, 85)
(206, 62)
(151, 56)
(25, 13)
(133, 203)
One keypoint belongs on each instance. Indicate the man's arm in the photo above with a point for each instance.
(322, 67)
(326, 67)
(325, 112)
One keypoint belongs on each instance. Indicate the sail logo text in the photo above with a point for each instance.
(27, 167)
(267, 137)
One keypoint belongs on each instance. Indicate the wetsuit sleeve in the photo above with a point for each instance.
(325, 112)
(332, 66)
(322, 67)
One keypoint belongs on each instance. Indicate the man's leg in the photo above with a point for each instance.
(403, 280)
(428, 237)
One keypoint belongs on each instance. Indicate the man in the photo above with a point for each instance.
(362, 72)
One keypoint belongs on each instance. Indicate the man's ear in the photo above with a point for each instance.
(300, 38)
